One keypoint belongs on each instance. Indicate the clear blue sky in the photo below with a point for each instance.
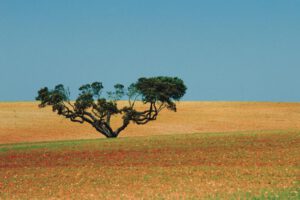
(223, 50)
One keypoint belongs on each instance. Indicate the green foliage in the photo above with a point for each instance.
(93, 89)
(103, 106)
(84, 101)
(52, 97)
(158, 92)
(118, 93)
(161, 88)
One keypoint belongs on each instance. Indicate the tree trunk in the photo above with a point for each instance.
(105, 131)
(111, 136)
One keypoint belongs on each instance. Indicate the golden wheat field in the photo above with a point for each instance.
(25, 122)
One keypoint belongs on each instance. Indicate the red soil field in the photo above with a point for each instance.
(191, 166)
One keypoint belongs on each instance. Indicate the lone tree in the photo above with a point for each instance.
(90, 106)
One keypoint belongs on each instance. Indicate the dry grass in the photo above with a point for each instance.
(25, 122)
(191, 166)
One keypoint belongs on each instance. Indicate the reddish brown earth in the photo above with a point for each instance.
(170, 167)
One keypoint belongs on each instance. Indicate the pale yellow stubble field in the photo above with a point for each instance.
(25, 122)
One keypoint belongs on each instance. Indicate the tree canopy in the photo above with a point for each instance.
(94, 107)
